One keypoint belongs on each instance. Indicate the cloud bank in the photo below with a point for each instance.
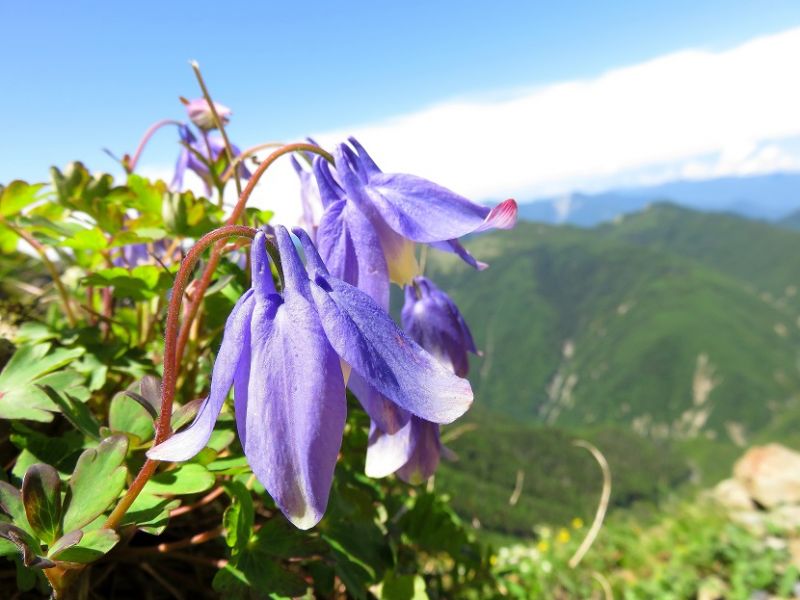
(693, 113)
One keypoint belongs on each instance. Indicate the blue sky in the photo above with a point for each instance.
(81, 76)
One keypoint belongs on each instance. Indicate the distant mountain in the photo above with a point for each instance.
(679, 324)
(768, 197)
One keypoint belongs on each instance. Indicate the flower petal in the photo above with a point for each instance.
(185, 444)
(352, 251)
(296, 405)
(424, 211)
(455, 247)
(389, 417)
(427, 450)
(387, 452)
(364, 335)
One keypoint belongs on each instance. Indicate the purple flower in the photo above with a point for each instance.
(309, 199)
(200, 113)
(399, 210)
(133, 255)
(435, 323)
(282, 353)
(211, 147)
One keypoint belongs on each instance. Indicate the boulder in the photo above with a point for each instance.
(732, 495)
(770, 474)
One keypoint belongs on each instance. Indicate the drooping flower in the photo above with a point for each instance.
(211, 147)
(199, 112)
(282, 351)
(433, 321)
(400, 210)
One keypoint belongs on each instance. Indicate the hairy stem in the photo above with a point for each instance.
(213, 261)
(163, 426)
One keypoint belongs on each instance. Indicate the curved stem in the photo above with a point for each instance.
(51, 268)
(602, 507)
(163, 426)
(213, 260)
(131, 166)
(246, 154)
(251, 184)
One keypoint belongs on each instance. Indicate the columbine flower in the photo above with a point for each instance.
(210, 148)
(282, 353)
(200, 113)
(399, 210)
(435, 323)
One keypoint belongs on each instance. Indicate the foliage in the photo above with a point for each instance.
(79, 396)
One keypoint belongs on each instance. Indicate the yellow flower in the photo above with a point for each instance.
(577, 523)
(543, 546)
(492, 560)
(563, 536)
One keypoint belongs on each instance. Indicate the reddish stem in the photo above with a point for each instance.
(163, 427)
(213, 260)
(131, 166)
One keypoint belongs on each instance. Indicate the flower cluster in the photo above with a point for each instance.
(289, 351)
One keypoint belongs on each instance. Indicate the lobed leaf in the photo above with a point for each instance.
(97, 481)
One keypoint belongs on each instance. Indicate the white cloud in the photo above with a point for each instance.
(667, 110)
(693, 113)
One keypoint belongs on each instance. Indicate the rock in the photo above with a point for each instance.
(732, 495)
(785, 519)
(770, 474)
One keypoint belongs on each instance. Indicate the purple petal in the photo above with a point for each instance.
(387, 452)
(455, 247)
(424, 211)
(427, 450)
(185, 444)
(352, 251)
(435, 323)
(364, 335)
(389, 417)
(296, 400)
(416, 208)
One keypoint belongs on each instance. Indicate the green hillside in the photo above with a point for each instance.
(559, 481)
(588, 327)
(765, 257)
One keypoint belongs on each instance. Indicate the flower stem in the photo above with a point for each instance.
(213, 260)
(131, 164)
(51, 268)
(218, 124)
(246, 154)
(163, 426)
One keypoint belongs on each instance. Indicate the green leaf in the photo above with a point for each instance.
(188, 478)
(63, 543)
(264, 576)
(17, 196)
(87, 239)
(19, 399)
(239, 516)
(93, 545)
(11, 503)
(97, 481)
(128, 415)
(75, 412)
(59, 451)
(150, 513)
(27, 545)
(41, 496)
(403, 587)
